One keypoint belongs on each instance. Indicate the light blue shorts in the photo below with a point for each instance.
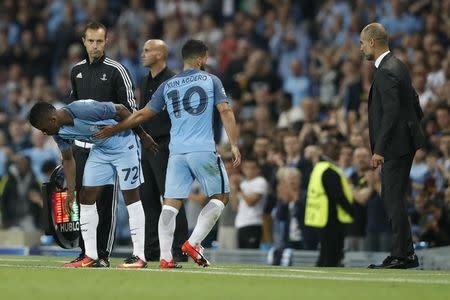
(103, 165)
(206, 167)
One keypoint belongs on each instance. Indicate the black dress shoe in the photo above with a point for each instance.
(412, 261)
(392, 262)
(101, 262)
(177, 256)
(180, 257)
(152, 256)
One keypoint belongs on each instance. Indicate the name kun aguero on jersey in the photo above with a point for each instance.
(177, 82)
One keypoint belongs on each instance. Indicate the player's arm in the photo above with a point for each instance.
(133, 120)
(69, 171)
(229, 122)
(123, 113)
(227, 116)
(154, 106)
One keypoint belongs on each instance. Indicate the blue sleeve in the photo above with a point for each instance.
(219, 92)
(63, 144)
(157, 102)
(91, 110)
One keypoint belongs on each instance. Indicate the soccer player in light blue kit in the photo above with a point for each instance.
(119, 154)
(190, 98)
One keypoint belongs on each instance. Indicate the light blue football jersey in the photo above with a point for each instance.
(189, 98)
(88, 118)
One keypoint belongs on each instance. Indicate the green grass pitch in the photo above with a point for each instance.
(39, 277)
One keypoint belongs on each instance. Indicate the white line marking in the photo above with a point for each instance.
(334, 277)
(416, 272)
(271, 270)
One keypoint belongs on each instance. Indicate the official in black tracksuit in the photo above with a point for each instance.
(154, 165)
(100, 78)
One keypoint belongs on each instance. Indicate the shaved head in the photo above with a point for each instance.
(374, 41)
(153, 52)
(377, 32)
(158, 45)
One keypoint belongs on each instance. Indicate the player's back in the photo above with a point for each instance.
(89, 117)
(190, 98)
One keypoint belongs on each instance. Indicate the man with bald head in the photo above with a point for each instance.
(395, 135)
(154, 165)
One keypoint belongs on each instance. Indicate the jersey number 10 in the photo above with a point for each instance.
(174, 95)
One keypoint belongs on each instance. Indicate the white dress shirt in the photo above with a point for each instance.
(380, 58)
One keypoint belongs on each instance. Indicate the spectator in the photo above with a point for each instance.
(345, 161)
(227, 232)
(297, 84)
(378, 232)
(39, 154)
(252, 195)
(21, 197)
(288, 210)
(294, 158)
(356, 232)
(419, 169)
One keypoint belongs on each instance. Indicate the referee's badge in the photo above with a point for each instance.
(103, 77)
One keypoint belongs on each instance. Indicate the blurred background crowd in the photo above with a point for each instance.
(298, 85)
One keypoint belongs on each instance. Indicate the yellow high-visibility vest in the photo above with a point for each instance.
(316, 212)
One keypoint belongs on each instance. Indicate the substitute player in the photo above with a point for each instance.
(190, 98)
(119, 154)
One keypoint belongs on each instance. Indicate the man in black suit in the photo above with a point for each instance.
(154, 165)
(395, 135)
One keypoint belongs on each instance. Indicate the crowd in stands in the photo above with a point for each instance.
(297, 81)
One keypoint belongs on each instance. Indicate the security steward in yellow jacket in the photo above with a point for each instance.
(328, 207)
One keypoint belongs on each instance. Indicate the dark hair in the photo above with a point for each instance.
(261, 136)
(40, 111)
(193, 48)
(291, 132)
(443, 106)
(250, 158)
(94, 26)
(48, 166)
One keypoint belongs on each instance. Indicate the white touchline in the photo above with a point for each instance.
(294, 270)
(335, 277)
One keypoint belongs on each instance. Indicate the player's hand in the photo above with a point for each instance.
(105, 132)
(236, 156)
(377, 160)
(148, 143)
(69, 201)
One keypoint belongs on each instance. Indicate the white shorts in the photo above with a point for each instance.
(103, 165)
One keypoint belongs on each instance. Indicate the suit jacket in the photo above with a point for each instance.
(394, 111)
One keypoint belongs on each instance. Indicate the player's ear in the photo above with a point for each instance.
(52, 119)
